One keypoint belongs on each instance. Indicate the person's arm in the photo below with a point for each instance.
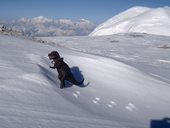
(53, 67)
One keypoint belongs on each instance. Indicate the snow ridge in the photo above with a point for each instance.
(137, 19)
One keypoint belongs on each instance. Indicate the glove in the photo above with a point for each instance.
(51, 67)
(52, 62)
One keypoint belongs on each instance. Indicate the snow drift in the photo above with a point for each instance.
(117, 96)
(137, 19)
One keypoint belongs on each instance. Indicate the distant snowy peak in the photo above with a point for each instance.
(41, 19)
(137, 19)
(37, 20)
(64, 21)
(84, 20)
(24, 20)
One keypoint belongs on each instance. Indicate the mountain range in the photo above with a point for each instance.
(42, 26)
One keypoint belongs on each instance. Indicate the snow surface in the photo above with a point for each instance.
(115, 95)
(137, 19)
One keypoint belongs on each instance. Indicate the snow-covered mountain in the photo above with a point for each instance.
(42, 26)
(137, 19)
(127, 94)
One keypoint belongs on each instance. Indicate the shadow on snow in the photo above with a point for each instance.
(54, 79)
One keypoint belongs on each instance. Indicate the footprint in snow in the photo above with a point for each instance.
(96, 100)
(76, 94)
(130, 107)
(111, 104)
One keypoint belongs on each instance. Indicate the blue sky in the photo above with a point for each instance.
(94, 10)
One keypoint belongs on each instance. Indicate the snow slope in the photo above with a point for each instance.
(137, 19)
(117, 96)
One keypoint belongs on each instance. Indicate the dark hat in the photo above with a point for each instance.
(54, 55)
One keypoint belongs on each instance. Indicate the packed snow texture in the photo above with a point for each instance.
(114, 95)
(137, 19)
